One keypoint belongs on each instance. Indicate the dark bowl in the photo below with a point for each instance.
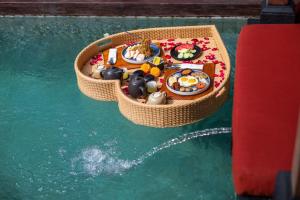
(149, 77)
(137, 73)
(174, 53)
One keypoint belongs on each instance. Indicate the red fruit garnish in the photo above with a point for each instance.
(194, 40)
(170, 40)
(166, 49)
(215, 61)
(214, 49)
(206, 38)
(185, 46)
(206, 42)
(163, 44)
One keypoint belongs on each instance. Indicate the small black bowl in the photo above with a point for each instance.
(149, 77)
(137, 73)
(174, 53)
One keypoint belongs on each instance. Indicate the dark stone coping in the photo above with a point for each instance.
(197, 8)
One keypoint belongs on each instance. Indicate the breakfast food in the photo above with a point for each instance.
(156, 60)
(176, 86)
(186, 71)
(155, 71)
(201, 85)
(139, 51)
(184, 46)
(125, 73)
(185, 52)
(146, 67)
(188, 82)
(172, 80)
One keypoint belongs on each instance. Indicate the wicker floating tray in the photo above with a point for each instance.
(176, 113)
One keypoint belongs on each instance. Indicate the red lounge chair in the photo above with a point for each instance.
(266, 106)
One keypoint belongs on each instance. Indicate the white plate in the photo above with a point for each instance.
(155, 49)
(198, 91)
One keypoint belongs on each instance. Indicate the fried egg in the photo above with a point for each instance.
(187, 81)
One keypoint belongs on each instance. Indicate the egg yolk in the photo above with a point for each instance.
(192, 81)
(184, 79)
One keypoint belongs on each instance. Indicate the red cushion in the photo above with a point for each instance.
(266, 105)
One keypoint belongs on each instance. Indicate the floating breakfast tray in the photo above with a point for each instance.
(177, 112)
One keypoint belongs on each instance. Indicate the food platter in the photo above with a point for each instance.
(187, 82)
(147, 100)
(185, 52)
(155, 52)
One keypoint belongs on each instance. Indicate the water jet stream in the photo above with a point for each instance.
(94, 161)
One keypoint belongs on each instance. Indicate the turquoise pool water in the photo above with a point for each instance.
(56, 143)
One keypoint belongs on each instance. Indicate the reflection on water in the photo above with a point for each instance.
(95, 161)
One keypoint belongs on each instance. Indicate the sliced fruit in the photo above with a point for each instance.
(180, 55)
(185, 46)
(186, 56)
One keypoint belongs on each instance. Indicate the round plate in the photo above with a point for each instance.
(174, 53)
(204, 79)
(155, 52)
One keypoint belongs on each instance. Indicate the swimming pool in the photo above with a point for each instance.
(56, 143)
